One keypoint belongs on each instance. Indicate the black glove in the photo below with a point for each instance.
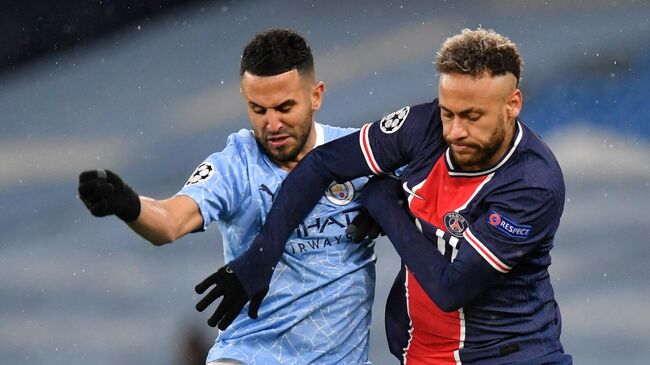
(104, 193)
(363, 226)
(228, 285)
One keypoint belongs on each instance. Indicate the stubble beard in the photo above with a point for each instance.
(290, 153)
(483, 156)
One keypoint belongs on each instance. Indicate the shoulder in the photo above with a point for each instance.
(240, 148)
(534, 174)
(244, 137)
(421, 119)
(540, 166)
(332, 132)
(242, 143)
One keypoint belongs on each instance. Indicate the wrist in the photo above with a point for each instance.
(130, 209)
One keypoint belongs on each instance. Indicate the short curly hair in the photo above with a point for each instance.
(276, 51)
(474, 52)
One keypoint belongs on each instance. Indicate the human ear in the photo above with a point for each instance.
(317, 95)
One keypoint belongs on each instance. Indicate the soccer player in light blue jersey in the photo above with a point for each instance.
(317, 310)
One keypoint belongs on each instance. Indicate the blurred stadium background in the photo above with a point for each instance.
(149, 88)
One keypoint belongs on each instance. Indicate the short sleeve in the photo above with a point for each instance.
(219, 183)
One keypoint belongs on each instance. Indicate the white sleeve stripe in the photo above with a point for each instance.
(364, 143)
(418, 225)
(453, 242)
(454, 253)
(441, 245)
(487, 255)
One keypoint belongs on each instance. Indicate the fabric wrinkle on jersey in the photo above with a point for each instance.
(321, 278)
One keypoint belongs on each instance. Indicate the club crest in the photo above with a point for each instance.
(393, 121)
(340, 194)
(455, 223)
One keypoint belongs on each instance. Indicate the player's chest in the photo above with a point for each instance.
(442, 199)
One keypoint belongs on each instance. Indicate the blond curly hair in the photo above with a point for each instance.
(474, 52)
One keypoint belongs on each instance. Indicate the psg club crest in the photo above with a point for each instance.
(393, 121)
(340, 194)
(201, 173)
(455, 223)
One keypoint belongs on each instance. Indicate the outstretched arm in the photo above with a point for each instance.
(339, 160)
(379, 147)
(158, 221)
(486, 251)
(164, 221)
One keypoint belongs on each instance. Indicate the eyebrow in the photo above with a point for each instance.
(464, 112)
(284, 104)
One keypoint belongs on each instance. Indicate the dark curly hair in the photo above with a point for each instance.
(276, 51)
(473, 52)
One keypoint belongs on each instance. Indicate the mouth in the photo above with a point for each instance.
(278, 141)
(461, 148)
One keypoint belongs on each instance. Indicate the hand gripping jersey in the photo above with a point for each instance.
(474, 285)
(319, 303)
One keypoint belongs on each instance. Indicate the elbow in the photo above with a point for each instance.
(161, 238)
(160, 241)
(446, 300)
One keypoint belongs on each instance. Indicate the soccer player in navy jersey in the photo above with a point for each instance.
(322, 276)
(473, 216)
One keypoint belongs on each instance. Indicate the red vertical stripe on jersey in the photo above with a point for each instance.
(436, 334)
(364, 142)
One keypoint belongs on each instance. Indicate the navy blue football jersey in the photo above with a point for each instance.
(474, 285)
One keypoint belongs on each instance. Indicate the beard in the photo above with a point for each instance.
(291, 151)
(482, 156)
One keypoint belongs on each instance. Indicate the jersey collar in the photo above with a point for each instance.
(320, 134)
(452, 168)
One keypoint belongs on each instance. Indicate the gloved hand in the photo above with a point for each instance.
(104, 193)
(362, 227)
(228, 285)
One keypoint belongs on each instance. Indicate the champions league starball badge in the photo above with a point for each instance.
(201, 173)
(340, 194)
(393, 121)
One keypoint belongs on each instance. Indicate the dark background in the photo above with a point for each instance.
(34, 28)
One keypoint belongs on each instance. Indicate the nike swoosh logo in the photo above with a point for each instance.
(411, 192)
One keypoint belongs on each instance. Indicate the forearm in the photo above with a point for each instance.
(340, 160)
(152, 222)
(163, 221)
(450, 285)
(299, 193)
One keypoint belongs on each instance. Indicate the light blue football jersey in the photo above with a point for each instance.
(318, 307)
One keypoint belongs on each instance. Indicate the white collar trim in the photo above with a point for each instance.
(520, 134)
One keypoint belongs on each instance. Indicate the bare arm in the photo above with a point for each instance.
(158, 221)
(164, 221)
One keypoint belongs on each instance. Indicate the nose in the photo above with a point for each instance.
(457, 129)
(274, 120)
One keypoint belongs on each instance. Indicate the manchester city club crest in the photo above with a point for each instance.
(340, 194)
(393, 121)
(455, 223)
